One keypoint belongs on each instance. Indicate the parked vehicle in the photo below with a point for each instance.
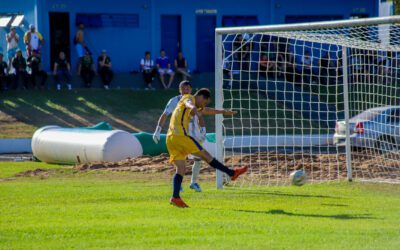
(377, 128)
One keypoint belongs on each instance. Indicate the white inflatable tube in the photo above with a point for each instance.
(53, 144)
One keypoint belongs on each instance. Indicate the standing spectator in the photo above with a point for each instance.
(12, 45)
(324, 68)
(33, 40)
(181, 66)
(79, 41)
(148, 69)
(34, 63)
(19, 64)
(241, 51)
(104, 64)
(307, 67)
(164, 67)
(87, 69)
(62, 69)
(3, 74)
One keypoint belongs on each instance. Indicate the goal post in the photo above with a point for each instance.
(323, 97)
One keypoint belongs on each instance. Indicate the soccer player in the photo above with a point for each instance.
(180, 144)
(196, 129)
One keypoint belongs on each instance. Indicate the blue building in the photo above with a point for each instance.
(127, 28)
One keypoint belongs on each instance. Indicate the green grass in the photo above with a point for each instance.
(22, 112)
(131, 211)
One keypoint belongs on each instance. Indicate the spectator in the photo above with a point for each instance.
(181, 66)
(12, 45)
(62, 69)
(19, 64)
(241, 51)
(148, 69)
(104, 64)
(267, 66)
(33, 40)
(34, 64)
(289, 66)
(87, 69)
(79, 41)
(307, 67)
(357, 65)
(226, 70)
(164, 67)
(3, 74)
(324, 68)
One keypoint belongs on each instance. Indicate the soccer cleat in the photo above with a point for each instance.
(238, 172)
(196, 187)
(178, 202)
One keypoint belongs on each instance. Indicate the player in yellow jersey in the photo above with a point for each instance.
(180, 144)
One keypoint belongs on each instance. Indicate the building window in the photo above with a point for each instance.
(11, 20)
(108, 20)
(232, 21)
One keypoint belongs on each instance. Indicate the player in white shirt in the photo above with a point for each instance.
(196, 129)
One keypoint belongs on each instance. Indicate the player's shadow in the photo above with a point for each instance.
(291, 195)
(334, 216)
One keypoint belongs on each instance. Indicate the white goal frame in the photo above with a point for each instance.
(219, 97)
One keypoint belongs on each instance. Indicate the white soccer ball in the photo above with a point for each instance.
(298, 178)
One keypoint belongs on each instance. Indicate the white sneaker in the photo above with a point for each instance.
(106, 87)
(58, 87)
(196, 187)
(69, 86)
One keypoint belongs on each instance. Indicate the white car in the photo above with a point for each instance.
(377, 128)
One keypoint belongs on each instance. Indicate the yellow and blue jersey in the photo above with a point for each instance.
(179, 143)
(179, 124)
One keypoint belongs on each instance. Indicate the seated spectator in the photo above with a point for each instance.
(34, 64)
(62, 70)
(3, 74)
(267, 67)
(12, 45)
(164, 67)
(148, 69)
(87, 69)
(181, 66)
(33, 40)
(104, 64)
(19, 64)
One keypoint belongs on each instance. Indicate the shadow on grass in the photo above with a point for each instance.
(334, 205)
(290, 195)
(334, 216)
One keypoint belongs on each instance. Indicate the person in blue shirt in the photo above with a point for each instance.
(164, 67)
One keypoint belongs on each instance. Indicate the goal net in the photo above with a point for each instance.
(321, 97)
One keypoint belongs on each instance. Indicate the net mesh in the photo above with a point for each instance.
(288, 89)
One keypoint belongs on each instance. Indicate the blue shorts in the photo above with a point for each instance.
(11, 53)
(80, 50)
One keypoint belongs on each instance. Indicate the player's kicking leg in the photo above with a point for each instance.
(195, 174)
(233, 173)
(177, 183)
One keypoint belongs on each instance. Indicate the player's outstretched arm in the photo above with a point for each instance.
(211, 111)
(160, 124)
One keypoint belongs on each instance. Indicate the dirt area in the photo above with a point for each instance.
(273, 166)
(265, 168)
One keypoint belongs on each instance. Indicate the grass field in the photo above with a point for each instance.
(100, 209)
(22, 112)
